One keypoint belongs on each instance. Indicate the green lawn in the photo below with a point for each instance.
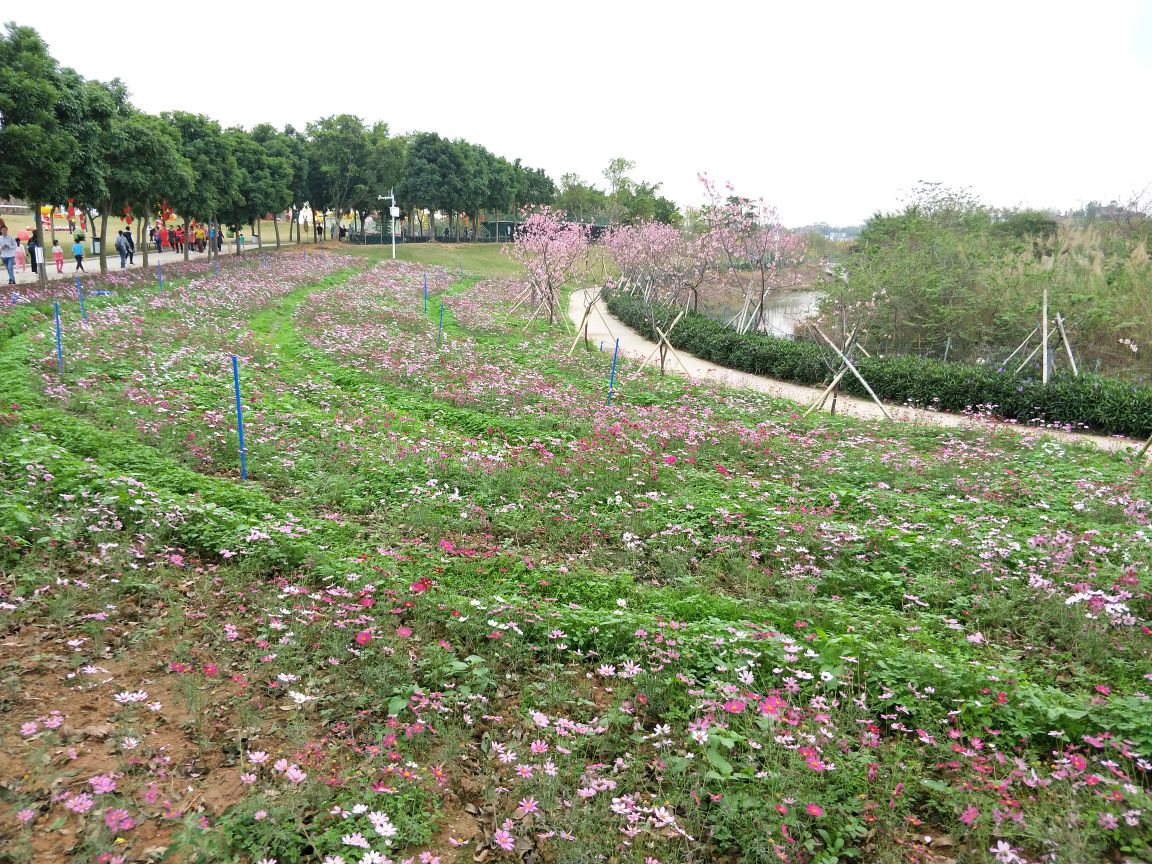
(481, 259)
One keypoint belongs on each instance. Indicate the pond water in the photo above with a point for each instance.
(783, 310)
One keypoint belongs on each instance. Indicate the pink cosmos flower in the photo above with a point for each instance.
(102, 784)
(814, 810)
(118, 820)
(403, 632)
(504, 840)
(81, 803)
(363, 637)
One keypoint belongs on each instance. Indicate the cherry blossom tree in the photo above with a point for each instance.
(747, 234)
(550, 250)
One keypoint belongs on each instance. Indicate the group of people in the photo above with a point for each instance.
(16, 253)
(197, 238)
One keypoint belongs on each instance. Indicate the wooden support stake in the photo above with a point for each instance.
(664, 340)
(855, 372)
(1028, 359)
(819, 403)
(1144, 449)
(583, 324)
(1067, 346)
(1017, 351)
(671, 350)
(1044, 339)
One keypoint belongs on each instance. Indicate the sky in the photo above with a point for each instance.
(830, 111)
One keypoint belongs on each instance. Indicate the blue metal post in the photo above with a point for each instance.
(601, 346)
(216, 263)
(612, 378)
(59, 344)
(239, 419)
(80, 294)
(425, 292)
(440, 329)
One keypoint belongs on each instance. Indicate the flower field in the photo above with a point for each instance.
(463, 610)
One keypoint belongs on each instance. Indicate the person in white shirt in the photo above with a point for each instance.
(8, 253)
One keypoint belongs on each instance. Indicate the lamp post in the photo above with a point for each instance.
(394, 211)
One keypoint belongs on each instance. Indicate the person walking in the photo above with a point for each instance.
(32, 247)
(21, 258)
(8, 252)
(156, 239)
(58, 256)
(164, 237)
(122, 248)
(131, 245)
(78, 251)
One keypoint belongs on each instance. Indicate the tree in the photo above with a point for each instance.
(549, 250)
(213, 163)
(38, 121)
(382, 168)
(301, 160)
(535, 188)
(339, 146)
(579, 200)
(278, 192)
(147, 167)
(432, 176)
(100, 106)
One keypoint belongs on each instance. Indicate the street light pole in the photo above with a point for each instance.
(394, 211)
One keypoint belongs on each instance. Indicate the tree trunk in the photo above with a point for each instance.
(186, 239)
(432, 224)
(41, 269)
(259, 239)
(142, 247)
(276, 228)
(103, 236)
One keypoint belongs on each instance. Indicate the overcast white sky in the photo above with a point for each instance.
(830, 110)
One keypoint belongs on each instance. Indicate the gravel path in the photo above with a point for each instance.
(603, 326)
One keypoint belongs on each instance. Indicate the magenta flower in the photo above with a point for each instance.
(118, 820)
(504, 840)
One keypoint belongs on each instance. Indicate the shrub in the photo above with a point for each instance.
(1104, 405)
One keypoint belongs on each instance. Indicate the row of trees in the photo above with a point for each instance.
(67, 139)
(731, 241)
(624, 201)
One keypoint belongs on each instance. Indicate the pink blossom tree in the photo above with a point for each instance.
(550, 249)
(745, 233)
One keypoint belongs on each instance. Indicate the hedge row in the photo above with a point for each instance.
(1104, 405)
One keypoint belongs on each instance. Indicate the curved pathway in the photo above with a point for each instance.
(604, 326)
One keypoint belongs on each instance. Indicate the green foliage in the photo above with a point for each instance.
(1104, 405)
(949, 274)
